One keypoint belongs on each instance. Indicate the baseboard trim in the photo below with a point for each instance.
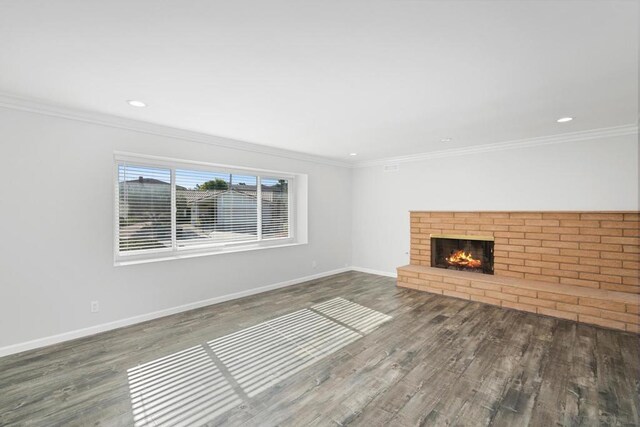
(372, 271)
(104, 327)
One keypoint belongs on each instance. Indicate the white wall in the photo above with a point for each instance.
(57, 229)
(57, 220)
(585, 175)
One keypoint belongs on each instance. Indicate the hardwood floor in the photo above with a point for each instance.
(435, 361)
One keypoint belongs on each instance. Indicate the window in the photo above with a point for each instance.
(215, 208)
(275, 208)
(169, 208)
(144, 208)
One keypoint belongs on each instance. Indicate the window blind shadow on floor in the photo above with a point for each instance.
(199, 384)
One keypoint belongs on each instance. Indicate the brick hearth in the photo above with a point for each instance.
(582, 266)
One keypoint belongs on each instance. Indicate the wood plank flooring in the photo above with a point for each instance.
(437, 361)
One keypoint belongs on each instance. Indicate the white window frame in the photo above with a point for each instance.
(176, 252)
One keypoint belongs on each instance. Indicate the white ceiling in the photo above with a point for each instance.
(380, 78)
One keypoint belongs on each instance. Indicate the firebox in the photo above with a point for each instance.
(461, 252)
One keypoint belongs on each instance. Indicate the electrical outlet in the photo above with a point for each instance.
(314, 264)
(95, 306)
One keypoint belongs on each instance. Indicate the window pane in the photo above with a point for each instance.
(215, 208)
(275, 208)
(144, 208)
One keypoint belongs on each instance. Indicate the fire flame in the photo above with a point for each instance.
(464, 259)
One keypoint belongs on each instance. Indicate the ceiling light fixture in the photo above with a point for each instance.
(564, 119)
(353, 154)
(134, 103)
(445, 140)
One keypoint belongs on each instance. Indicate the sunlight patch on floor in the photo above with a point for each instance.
(351, 314)
(196, 385)
(185, 388)
(272, 351)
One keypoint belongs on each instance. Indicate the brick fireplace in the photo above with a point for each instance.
(582, 266)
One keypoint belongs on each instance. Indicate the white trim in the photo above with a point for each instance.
(372, 271)
(42, 107)
(609, 132)
(176, 163)
(259, 207)
(207, 250)
(79, 333)
(174, 213)
(175, 252)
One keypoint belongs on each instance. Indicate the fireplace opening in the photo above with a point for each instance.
(465, 253)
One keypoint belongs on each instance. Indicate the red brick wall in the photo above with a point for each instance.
(591, 249)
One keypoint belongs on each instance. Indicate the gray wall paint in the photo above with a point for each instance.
(586, 175)
(57, 228)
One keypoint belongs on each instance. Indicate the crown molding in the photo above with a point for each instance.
(508, 145)
(42, 107)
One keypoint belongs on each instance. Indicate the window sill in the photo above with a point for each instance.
(122, 261)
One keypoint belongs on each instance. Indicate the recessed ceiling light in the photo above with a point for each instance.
(136, 103)
(445, 140)
(353, 154)
(564, 119)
